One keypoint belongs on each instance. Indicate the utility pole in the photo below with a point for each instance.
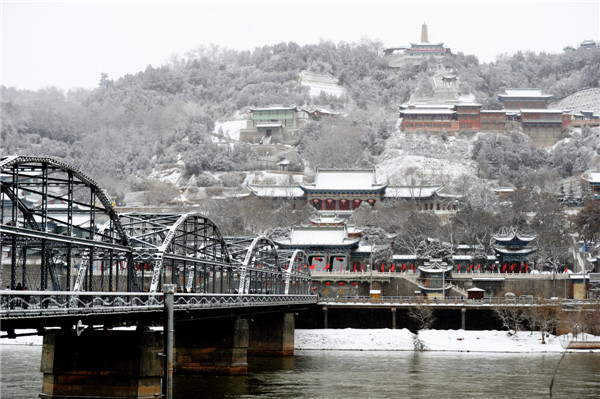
(169, 291)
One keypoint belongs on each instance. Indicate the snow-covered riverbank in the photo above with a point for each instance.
(404, 340)
(433, 340)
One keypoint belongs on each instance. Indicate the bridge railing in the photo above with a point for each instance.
(416, 300)
(32, 303)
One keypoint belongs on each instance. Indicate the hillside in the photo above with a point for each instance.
(178, 124)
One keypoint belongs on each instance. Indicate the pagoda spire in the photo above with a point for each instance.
(424, 38)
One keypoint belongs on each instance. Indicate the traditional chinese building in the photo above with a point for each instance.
(493, 120)
(273, 125)
(544, 126)
(433, 277)
(398, 55)
(513, 248)
(593, 181)
(343, 190)
(329, 248)
(468, 116)
(524, 98)
(433, 118)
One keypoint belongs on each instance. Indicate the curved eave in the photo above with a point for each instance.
(523, 252)
(313, 245)
(312, 190)
(430, 289)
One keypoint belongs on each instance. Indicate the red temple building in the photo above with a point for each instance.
(524, 98)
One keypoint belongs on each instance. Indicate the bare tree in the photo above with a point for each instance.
(512, 317)
(543, 317)
(423, 315)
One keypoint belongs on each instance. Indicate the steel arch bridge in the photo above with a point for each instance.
(50, 240)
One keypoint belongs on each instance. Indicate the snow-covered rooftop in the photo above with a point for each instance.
(525, 93)
(344, 179)
(592, 177)
(427, 111)
(276, 191)
(318, 236)
(411, 191)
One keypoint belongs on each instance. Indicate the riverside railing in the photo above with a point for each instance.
(416, 301)
(45, 303)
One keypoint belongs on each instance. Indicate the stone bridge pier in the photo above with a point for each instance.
(130, 363)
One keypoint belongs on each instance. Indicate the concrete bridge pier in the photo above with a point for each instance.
(212, 346)
(115, 364)
(272, 335)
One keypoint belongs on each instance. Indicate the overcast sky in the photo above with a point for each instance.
(68, 44)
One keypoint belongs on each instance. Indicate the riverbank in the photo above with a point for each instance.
(431, 340)
(403, 340)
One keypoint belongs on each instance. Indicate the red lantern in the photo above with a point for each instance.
(328, 283)
(314, 288)
(343, 201)
(356, 201)
(316, 201)
(341, 283)
(355, 283)
(371, 202)
(339, 259)
(329, 201)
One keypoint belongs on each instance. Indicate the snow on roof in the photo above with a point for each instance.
(404, 257)
(427, 111)
(274, 108)
(276, 191)
(426, 106)
(523, 251)
(411, 191)
(475, 289)
(493, 111)
(527, 92)
(592, 177)
(345, 179)
(319, 236)
(541, 111)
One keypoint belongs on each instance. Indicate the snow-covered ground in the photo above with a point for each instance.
(432, 340)
(404, 340)
(230, 129)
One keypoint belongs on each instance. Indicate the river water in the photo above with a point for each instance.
(363, 374)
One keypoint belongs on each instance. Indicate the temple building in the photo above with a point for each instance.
(343, 190)
(330, 249)
(279, 124)
(543, 126)
(273, 125)
(524, 98)
(512, 249)
(433, 278)
(593, 181)
(399, 55)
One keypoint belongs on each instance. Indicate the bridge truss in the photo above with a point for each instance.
(60, 232)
